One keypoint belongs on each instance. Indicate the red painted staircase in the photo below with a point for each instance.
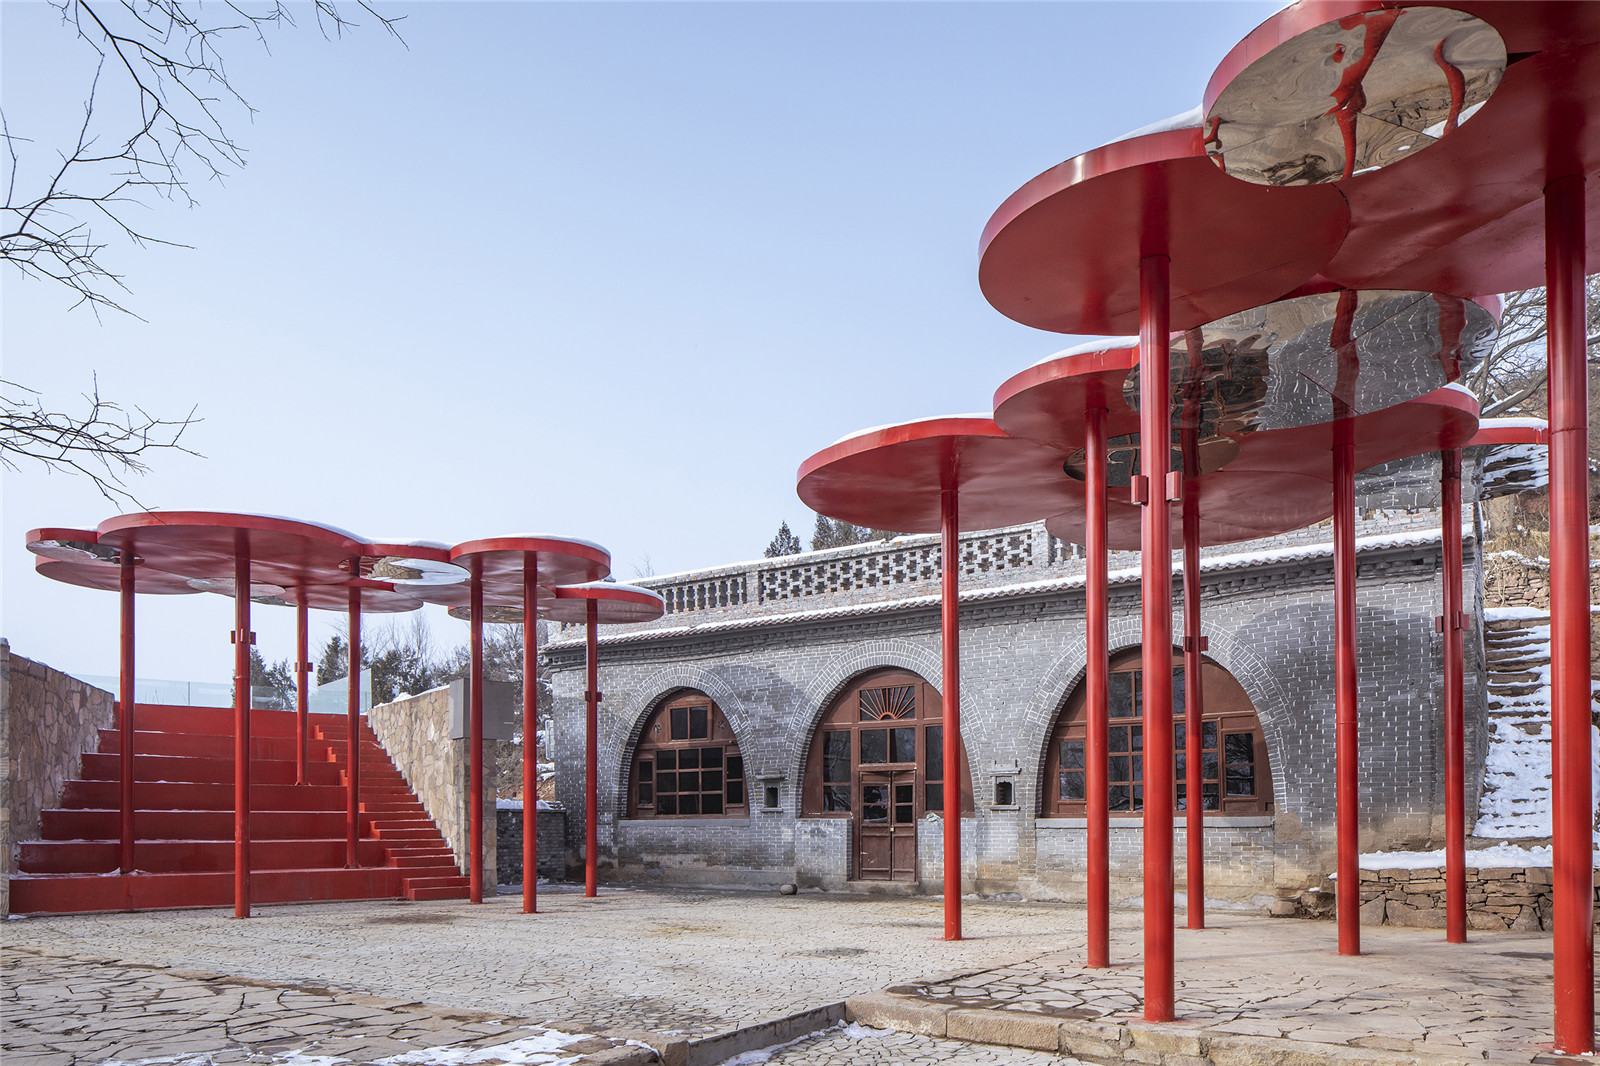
(183, 822)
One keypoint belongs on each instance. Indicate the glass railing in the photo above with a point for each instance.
(325, 699)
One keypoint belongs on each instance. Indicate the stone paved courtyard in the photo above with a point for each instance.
(314, 985)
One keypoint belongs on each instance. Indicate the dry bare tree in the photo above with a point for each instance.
(1511, 380)
(161, 63)
(104, 442)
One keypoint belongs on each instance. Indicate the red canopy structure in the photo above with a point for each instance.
(513, 572)
(593, 603)
(945, 475)
(1510, 91)
(278, 560)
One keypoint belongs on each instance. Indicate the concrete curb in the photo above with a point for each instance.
(1117, 1043)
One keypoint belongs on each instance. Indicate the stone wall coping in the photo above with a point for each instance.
(1371, 545)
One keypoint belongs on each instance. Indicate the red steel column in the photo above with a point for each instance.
(242, 639)
(1193, 706)
(352, 743)
(591, 754)
(475, 746)
(1155, 560)
(1455, 804)
(302, 688)
(530, 733)
(1097, 744)
(1572, 796)
(125, 696)
(1346, 751)
(950, 648)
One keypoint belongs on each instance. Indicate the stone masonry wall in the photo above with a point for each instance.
(47, 721)
(1269, 621)
(1511, 898)
(416, 733)
(552, 845)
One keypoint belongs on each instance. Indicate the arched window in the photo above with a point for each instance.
(1234, 771)
(687, 763)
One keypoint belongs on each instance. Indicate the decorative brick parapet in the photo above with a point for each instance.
(1507, 898)
(47, 721)
(416, 733)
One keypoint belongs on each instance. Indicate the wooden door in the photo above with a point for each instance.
(886, 826)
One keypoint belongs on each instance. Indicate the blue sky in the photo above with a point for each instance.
(603, 270)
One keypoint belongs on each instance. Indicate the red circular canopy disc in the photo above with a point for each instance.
(70, 545)
(893, 477)
(1062, 253)
(107, 577)
(614, 603)
(1324, 90)
(204, 544)
(1283, 479)
(1050, 401)
(377, 597)
(557, 561)
(1466, 216)
(1509, 431)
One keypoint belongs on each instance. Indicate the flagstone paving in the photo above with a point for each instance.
(317, 984)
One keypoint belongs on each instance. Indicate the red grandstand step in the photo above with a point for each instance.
(194, 825)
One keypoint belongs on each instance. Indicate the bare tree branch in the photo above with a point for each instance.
(164, 57)
(105, 443)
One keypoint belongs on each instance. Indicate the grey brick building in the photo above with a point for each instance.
(773, 644)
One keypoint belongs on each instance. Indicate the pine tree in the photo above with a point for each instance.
(334, 662)
(824, 534)
(785, 543)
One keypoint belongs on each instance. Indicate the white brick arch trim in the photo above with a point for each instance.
(620, 730)
(1225, 648)
(836, 676)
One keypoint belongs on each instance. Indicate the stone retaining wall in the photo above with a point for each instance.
(553, 859)
(1510, 898)
(47, 721)
(416, 733)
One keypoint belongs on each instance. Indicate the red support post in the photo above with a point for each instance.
(1572, 794)
(1193, 707)
(1346, 750)
(242, 639)
(302, 688)
(1155, 559)
(475, 745)
(530, 733)
(591, 754)
(950, 641)
(352, 742)
(126, 699)
(1097, 743)
(1455, 804)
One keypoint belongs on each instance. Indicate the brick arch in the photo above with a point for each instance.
(826, 685)
(1238, 657)
(619, 733)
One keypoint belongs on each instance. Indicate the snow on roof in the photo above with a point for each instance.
(544, 536)
(1512, 423)
(987, 416)
(1129, 575)
(1097, 344)
(1190, 119)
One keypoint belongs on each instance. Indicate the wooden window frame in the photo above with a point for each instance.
(644, 777)
(1227, 707)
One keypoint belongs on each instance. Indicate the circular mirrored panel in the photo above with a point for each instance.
(1351, 95)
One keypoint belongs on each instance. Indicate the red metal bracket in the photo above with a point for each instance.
(1139, 489)
(241, 636)
(1463, 622)
(1174, 486)
(596, 696)
(1189, 642)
